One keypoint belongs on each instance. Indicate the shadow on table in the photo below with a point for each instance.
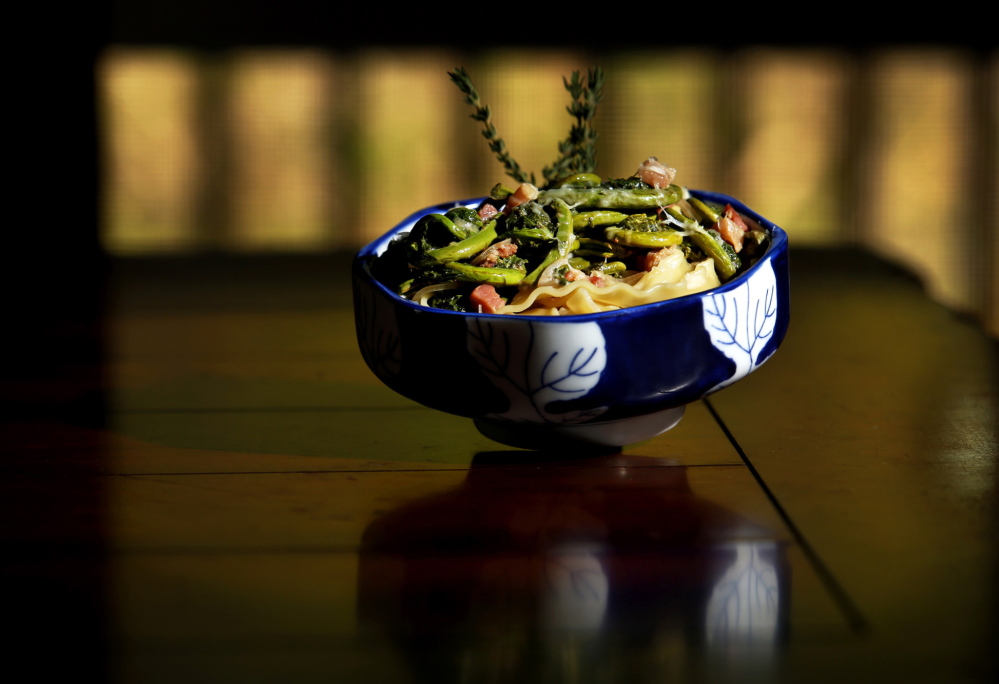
(592, 570)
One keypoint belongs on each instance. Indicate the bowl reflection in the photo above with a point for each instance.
(582, 571)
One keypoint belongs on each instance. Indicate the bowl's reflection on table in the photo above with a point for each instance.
(593, 571)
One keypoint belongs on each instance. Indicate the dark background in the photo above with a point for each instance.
(219, 23)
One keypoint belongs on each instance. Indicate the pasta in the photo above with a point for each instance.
(674, 277)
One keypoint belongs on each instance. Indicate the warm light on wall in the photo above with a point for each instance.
(278, 165)
(152, 165)
(405, 154)
(794, 128)
(920, 172)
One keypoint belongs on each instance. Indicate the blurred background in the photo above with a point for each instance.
(226, 128)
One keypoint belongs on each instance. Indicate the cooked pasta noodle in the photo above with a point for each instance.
(423, 296)
(672, 277)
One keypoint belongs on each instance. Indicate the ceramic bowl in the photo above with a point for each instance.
(603, 380)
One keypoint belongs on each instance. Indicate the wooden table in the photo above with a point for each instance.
(204, 483)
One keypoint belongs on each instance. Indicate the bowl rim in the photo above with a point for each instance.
(364, 256)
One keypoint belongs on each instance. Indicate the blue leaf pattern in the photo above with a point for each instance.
(538, 367)
(742, 320)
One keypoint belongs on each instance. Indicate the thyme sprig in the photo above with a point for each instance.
(578, 151)
(482, 114)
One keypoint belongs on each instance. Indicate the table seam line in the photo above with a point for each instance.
(854, 617)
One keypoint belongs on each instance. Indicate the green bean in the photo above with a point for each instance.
(530, 234)
(467, 248)
(710, 215)
(593, 219)
(612, 267)
(636, 199)
(532, 277)
(481, 274)
(578, 180)
(564, 234)
(676, 211)
(726, 260)
(500, 192)
(592, 256)
(602, 247)
(643, 238)
(566, 239)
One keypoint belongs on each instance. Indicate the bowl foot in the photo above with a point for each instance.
(595, 436)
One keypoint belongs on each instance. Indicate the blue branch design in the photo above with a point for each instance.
(754, 323)
(495, 358)
(574, 371)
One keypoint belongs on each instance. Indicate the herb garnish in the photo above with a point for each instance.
(482, 113)
(577, 153)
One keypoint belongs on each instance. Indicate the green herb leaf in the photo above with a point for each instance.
(482, 114)
(577, 153)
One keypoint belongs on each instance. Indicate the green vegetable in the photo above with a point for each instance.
(678, 212)
(530, 216)
(500, 192)
(451, 300)
(644, 238)
(642, 223)
(601, 248)
(513, 261)
(461, 79)
(577, 153)
(593, 219)
(430, 233)
(481, 274)
(709, 214)
(726, 260)
(466, 221)
(577, 180)
(532, 277)
(467, 248)
(529, 235)
(612, 267)
(625, 183)
(637, 199)
(564, 236)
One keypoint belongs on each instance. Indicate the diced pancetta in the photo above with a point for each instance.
(486, 299)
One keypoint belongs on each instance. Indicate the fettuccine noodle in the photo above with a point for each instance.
(672, 277)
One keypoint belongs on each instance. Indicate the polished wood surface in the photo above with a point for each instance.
(204, 483)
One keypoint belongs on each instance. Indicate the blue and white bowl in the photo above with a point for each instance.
(604, 379)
